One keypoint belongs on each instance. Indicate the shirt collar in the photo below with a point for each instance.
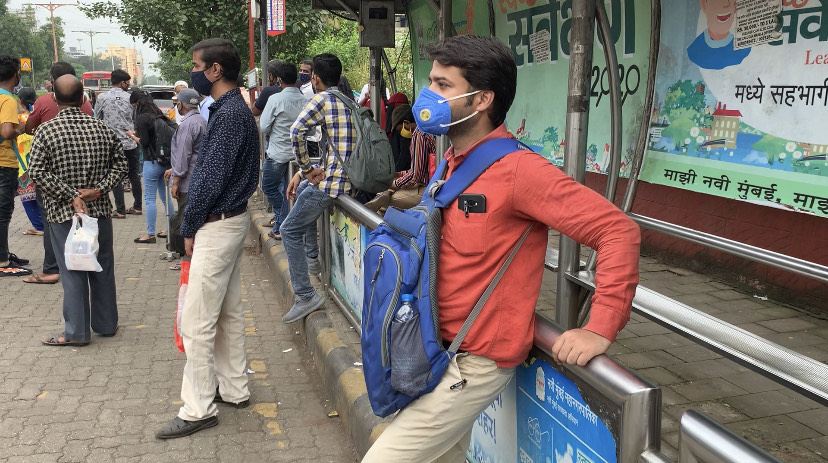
(69, 111)
(225, 98)
(189, 114)
(499, 132)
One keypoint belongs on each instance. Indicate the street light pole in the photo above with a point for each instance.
(91, 49)
(52, 7)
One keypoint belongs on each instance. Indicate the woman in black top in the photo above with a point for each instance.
(147, 115)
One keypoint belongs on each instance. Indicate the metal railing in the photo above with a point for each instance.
(638, 402)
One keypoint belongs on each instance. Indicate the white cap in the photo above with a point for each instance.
(180, 83)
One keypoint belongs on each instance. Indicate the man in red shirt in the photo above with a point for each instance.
(475, 77)
(45, 109)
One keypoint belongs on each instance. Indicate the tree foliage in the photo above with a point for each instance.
(20, 37)
(173, 27)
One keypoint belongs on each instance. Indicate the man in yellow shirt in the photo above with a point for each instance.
(10, 264)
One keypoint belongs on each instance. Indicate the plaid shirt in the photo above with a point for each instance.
(325, 110)
(74, 151)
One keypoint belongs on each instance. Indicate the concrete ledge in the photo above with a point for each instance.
(337, 363)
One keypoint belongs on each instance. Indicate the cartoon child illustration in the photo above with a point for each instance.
(713, 48)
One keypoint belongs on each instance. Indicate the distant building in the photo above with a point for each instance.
(74, 52)
(725, 125)
(131, 61)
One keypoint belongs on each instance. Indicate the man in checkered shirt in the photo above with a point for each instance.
(76, 161)
(321, 184)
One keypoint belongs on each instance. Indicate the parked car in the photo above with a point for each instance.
(162, 96)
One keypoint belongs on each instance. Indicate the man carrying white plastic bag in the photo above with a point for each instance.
(76, 160)
(81, 249)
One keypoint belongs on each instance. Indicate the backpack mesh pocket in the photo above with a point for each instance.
(410, 368)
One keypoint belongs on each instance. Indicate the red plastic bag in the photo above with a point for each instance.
(183, 283)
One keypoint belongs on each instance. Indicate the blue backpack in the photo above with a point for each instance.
(404, 360)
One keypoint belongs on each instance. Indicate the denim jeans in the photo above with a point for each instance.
(8, 188)
(134, 180)
(154, 181)
(274, 184)
(299, 235)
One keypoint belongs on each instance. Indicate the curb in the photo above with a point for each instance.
(338, 366)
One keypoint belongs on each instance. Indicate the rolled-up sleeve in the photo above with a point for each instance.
(310, 117)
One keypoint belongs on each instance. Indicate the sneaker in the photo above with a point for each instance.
(302, 309)
(13, 259)
(314, 267)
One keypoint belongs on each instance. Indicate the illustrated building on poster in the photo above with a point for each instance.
(725, 125)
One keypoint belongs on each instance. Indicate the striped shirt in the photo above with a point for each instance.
(326, 111)
(422, 146)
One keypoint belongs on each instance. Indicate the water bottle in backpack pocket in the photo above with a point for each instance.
(411, 370)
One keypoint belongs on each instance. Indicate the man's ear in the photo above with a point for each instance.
(485, 100)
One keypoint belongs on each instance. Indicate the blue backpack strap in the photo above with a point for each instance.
(475, 164)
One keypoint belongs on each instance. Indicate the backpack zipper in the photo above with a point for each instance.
(392, 306)
(373, 286)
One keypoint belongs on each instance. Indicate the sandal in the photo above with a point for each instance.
(162, 235)
(133, 211)
(38, 280)
(33, 231)
(175, 266)
(61, 340)
(275, 236)
(151, 239)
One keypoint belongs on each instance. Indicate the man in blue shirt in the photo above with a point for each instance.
(214, 227)
(279, 114)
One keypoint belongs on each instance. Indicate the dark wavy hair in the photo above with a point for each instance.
(486, 64)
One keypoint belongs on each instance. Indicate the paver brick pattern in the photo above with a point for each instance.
(105, 401)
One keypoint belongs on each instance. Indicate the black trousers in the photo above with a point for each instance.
(134, 175)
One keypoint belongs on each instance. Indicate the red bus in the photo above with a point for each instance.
(97, 81)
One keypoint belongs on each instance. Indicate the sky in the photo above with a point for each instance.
(75, 20)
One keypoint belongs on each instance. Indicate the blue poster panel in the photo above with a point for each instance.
(554, 424)
(493, 436)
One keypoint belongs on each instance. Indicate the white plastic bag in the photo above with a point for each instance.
(81, 249)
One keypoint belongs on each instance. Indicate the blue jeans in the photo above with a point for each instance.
(8, 188)
(154, 181)
(299, 235)
(274, 184)
(134, 179)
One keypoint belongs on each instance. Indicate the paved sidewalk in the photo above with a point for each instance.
(104, 402)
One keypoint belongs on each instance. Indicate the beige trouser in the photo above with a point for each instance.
(212, 323)
(406, 199)
(437, 426)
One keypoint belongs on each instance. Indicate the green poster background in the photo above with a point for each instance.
(538, 114)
